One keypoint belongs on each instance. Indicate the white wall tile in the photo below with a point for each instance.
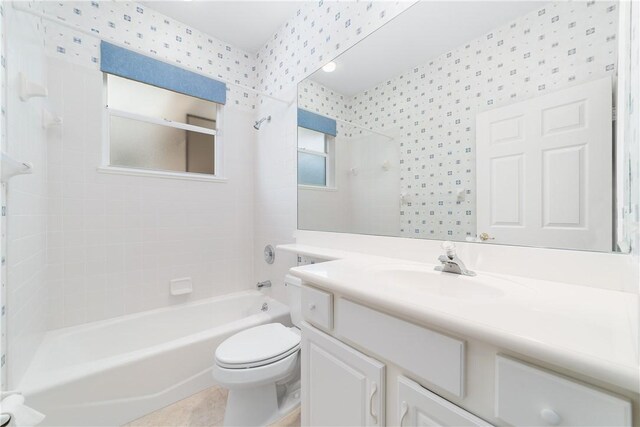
(87, 246)
(26, 201)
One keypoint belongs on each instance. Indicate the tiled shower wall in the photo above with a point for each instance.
(26, 203)
(431, 109)
(365, 161)
(85, 246)
(115, 242)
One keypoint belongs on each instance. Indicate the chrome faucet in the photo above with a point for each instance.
(451, 263)
(265, 284)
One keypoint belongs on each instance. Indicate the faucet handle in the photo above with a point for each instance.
(265, 284)
(449, 248)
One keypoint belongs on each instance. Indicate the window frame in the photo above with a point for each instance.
(330, 164)
(107, 167)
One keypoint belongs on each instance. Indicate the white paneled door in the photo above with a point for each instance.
(544, 170)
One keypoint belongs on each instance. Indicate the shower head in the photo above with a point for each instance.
(259, 122)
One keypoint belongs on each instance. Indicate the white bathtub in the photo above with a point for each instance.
(114, 371)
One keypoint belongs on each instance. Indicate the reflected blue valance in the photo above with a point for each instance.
(313, 121)
(125, 63)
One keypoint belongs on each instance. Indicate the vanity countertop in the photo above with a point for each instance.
(587, 330)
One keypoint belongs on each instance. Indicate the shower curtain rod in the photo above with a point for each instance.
(92, 34)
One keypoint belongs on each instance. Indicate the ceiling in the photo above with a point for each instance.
(424, 31)
(243, 24)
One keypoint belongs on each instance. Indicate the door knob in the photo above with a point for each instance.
(485, 236)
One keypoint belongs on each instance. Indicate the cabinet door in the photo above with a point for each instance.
(340, 386)
(418, 406)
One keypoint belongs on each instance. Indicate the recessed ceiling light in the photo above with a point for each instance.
(329, 67)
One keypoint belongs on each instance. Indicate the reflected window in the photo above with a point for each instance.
(158, 129)
(315, 158)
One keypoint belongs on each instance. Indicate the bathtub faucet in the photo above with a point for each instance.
(265, 284)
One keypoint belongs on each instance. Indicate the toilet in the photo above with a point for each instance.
(261, 368)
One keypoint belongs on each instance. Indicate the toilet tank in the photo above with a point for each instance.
(294, 298)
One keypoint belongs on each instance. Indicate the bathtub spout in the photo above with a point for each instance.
(265, 284)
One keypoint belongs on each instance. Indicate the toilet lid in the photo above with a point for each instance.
(257, 344)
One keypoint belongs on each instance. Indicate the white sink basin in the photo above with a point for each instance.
(447, 285)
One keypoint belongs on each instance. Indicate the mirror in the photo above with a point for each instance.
(486, 122)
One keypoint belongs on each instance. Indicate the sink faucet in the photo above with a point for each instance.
(451, 263)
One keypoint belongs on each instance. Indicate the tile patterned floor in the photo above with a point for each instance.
(204, 409)
(291, 420)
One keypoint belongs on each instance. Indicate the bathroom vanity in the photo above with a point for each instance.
(389, 342)
(405, 142)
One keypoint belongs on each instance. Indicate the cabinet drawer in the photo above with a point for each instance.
(431, 356)
(417, 406)
(529, 396)
(317, 307)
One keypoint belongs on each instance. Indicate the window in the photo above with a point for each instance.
(316, 160)
(151, 128)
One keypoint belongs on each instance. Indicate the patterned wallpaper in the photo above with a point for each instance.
(320, 31)
(507, 65)
(431, 109)
(313, 96)
(148, 31)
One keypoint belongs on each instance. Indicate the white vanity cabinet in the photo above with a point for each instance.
(529, 396)
(372, 368)
(317, 307)
(340, 386)
(419, 407)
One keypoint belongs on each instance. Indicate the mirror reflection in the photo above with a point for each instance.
(486, 122)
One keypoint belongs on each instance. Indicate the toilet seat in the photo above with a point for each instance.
(258, 346)
(257, 376)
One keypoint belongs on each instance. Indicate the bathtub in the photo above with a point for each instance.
(113, 371)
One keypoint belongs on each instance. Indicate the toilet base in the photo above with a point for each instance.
(260, 406)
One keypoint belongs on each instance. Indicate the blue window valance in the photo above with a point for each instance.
(125, 63)
(313, 121)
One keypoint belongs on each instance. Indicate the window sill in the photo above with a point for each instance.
(316, 188)
(115, 170)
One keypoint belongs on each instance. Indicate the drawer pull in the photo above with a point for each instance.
(550, 416)
(312, 306)
(374, 390)
(404, 409)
